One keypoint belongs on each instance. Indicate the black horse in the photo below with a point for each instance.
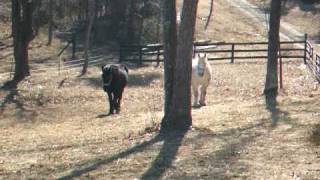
(115, 78)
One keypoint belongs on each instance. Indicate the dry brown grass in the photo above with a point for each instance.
(49, 132)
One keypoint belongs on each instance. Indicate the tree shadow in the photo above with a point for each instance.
(95, 82)
(288, 5)
(172, 142)
(134, 80)
(142, 79)
(222, 163)
(315, 135)
(94, 164)
(4, 46)
(6, 56)
(166, 156)
(271, 106)
(303, 5)
(12, 97)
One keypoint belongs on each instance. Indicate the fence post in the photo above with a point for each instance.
(140, 55)
(305, 48)
(158, 57)
(232, 53)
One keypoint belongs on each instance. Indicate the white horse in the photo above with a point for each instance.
(201, 77)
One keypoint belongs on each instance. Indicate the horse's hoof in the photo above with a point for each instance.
(203, 104)
(196, 106)
(110, 113)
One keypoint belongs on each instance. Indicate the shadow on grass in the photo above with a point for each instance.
(94, 164)
(100, 116)
(303, 5)
(223, 163)
(215, 164)
(11, 98)
(95, 82)
(272, 107)
(134, 80)
(143, 79)
(166, 156)
(172, 142)
(315, 135)
(4, 46)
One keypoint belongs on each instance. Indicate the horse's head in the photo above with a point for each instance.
(112, 73)
(108, 72)
(202, 62)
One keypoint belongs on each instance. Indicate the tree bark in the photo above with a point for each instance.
(118, 13)
(50, 28)
(209, 16)
(170, 52)
(180, 114)
(91, 16)
(271, 86)
(22, 33)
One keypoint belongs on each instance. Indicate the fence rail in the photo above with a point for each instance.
(218, 51)
(312, 63)
(59, 67)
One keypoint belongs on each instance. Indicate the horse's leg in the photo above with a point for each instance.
(118, 100)
(203, 94)
(195, 90)
(111, 104)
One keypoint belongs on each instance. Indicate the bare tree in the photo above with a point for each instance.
(170, 53)
(179, 116)
(50, 28)
(91, 16)
(22, 33)
(271, 86)
(209, 15)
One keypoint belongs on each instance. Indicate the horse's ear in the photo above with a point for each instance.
(205, 55)
(102, 67)
(126, 68)
(198, 55)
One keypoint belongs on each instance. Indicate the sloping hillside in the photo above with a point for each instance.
(303, 15)
(54, 125)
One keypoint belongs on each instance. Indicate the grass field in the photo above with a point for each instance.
(54, 126)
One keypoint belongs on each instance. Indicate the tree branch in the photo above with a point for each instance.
(210, 14)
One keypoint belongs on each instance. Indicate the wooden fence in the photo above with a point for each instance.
(314, 67)
(220, 51)
(140, 54)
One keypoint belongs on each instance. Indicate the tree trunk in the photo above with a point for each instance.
(170, 52)
(271, 86)
(131, 23)
(91, 14)
(118, 13)
(22, 33)
(180, 116)
(13, 14)
(209, 16)
(50, 28)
